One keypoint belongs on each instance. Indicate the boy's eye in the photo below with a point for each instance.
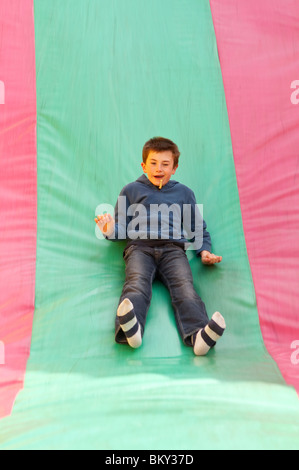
(165, 165)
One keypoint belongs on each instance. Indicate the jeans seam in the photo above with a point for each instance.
(175, 309)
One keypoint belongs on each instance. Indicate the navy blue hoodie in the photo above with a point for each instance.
(146, 214)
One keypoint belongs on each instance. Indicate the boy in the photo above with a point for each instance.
(158, 216)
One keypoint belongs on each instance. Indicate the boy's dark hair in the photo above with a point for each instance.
(160, 144)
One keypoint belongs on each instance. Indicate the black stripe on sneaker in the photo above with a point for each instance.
(216, 328)
(132, 331)
(123, 319)
(207, 339)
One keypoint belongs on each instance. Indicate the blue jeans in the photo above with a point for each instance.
(169, 264)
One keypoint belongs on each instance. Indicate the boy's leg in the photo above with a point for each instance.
(129, 323)
(175, 272)
(207, 338)
(137, 291)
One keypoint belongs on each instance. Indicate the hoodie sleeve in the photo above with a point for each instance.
(207, 243)
(196, 227)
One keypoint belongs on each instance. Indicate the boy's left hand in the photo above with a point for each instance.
(209, 258)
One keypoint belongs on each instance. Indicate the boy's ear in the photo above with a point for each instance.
(175, 169)
(144, 167)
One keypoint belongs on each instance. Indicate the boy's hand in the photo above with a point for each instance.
(209, 259)
(105, 223)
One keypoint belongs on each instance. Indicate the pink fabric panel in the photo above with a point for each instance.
(259, 54)
(17, 194)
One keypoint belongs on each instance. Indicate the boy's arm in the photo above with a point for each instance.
(115, 228)
(207, 257)
(204, 252)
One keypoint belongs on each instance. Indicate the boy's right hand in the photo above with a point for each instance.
(106, 224)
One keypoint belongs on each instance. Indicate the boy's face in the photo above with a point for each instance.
(159, 167)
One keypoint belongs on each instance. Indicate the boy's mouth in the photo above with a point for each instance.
(159, 180)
